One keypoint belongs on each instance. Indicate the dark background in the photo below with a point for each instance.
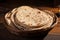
(50, 3)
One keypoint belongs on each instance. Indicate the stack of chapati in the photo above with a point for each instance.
(26, 18)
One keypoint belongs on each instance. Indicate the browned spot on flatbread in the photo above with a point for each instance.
(27, 15)
(38, 13)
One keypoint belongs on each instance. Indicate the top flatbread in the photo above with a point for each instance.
(31, 17)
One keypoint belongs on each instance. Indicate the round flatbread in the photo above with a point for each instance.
(31, 17)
